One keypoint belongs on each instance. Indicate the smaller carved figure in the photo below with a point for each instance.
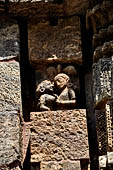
(66, 95)
(51, 73)
(44, 93)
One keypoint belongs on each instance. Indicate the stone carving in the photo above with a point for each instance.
(51, 73)
(66, 95)
(58, 91)
(44, 93)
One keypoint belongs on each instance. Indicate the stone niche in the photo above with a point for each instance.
(58, 43)
(59, 139)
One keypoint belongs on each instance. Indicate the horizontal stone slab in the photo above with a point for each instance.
(59, 135)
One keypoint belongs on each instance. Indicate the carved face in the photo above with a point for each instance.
(44, 85)
(49, 86)
(61, 80)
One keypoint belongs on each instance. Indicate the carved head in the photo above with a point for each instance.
(44, 86)
(51, 73)
(61, 80)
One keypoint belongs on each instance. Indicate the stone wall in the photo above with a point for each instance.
(59, 43)
(42, 8)
(10, 95)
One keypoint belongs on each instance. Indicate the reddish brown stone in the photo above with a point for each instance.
(59, 135)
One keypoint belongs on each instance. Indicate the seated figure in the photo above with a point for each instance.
(44, 92)
(66, 95)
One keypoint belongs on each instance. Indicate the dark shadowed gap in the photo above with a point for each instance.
(27, 163)
(87, 51)
(27, 72)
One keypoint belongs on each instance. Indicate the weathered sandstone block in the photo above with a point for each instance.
(9, 137)
(100, 16)
(104, 51)
(63, 165)
(102, 80)
(42, 8)
(55, 43)
(10, 90)
(59, 135)
(9, 39)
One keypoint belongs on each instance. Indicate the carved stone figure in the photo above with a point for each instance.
(58, 94)
(51, 73)
(45, 95)
(70, 70)
(66, 96)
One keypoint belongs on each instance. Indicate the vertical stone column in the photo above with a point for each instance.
(10, 95)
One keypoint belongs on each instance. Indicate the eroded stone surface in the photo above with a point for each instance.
(9, 39)
(63, 165)
(10, 90)
(55, 43)
(104, 51)
(102, 80)
(102, 36)
(59, 135)
(101, 129)
(9, 137)
(100, 16)
(42, 8)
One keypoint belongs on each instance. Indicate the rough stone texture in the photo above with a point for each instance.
(63, 165)
(60, 43)
(10, 90)
(104, 128)
(9, 39)
(102, 36)
(109, 118)
(101, 129)
(42, 8)
(59, 135)
(9, 168)
(100, 16)
(102, 84)
(104, 51)
(9, 137)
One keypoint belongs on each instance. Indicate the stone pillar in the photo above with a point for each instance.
(10, 95)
